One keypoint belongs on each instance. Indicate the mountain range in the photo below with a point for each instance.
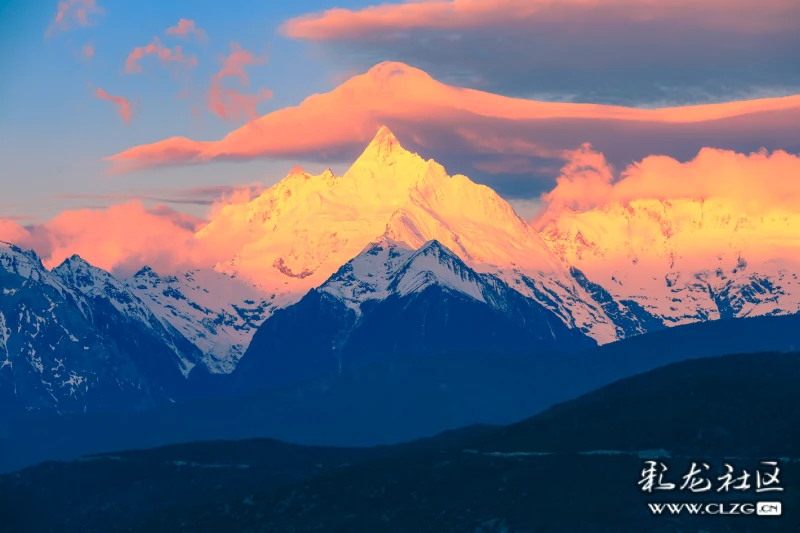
(394, 257)
(573, 467)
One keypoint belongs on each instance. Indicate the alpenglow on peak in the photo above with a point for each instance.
(383, 147)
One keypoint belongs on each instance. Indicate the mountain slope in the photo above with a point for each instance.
(684, 260)
(572, 468)
(530, 476)
(75, 339)
(391, 301)
(408, 397)
(215, 313)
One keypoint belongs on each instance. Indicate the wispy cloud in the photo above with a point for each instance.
(165, 54)
(73, 13)
(88, 50)
(122, 104)
(682, 51)
(17, 218)
(207, 195)
(186, 28)
(229, 103)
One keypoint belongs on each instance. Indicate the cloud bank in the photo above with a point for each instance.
(680, 51)
(124, 237)
(754, 183)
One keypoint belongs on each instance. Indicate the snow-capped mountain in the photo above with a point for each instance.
(214, 312)
(395, 254)
(684, 260)
(75, 339)
(102, 292)
(299, 232)
(386, 267)
(393, 300)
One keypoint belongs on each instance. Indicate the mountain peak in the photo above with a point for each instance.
(11, 253)
(383, 147)
(384, 135)
(73, 262)
(145, 272)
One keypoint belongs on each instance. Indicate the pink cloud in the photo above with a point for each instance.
(88, 50)
(122, 234)
(385, 19)
(165, 55)
(673, 51)
(179, 219)
(125, 236)
(11, 231)
(71, 13)
(751, 183)
(185, 28)
(230, 104)
(120, 238)
(475, 128)
(123, 105)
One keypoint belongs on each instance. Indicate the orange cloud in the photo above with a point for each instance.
(185, 28)
(477, 129)
(179, 219)
(73, 12)
(230, 104)
(123, 104)
(385, 19)
(165, 55)
(756, 183)
(124, 237)
(120, 238)
(674, 52)
(121, 235)
(11, 231)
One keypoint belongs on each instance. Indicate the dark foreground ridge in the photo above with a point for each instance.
(572, 468)
(386, 402)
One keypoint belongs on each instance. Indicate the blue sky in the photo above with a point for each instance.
(54, 133)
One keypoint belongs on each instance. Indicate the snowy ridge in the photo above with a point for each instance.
(434, 264)
(685, 260)
(96, 285)
(26, 264)
(50, 350)
(93, 282)
(386, 267)
(216, 313)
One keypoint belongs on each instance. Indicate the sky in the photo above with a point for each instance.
(54, 131)
(182, 105)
